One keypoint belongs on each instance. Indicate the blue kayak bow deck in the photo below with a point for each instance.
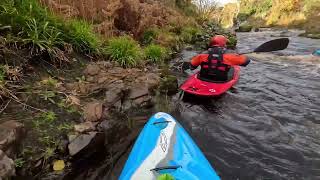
(164, 147)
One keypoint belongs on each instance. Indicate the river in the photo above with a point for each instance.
(268, 126)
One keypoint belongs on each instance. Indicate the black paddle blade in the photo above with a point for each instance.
(273, 45)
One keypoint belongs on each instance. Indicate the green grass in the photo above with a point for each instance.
(124, 50)
(82, 37)
(33, 26)
(155, 53)
(189, 33)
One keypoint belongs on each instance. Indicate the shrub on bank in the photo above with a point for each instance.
(155, 53)
(124, 50)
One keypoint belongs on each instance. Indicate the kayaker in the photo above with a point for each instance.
(216, 64)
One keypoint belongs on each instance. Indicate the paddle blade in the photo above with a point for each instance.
(273, 45)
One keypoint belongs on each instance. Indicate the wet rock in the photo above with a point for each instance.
(114, 92)
(93, 111)
(138, 91)
(85, 127)
(152, 81)
(85, 143)
(144, 101)
(169, 85)
(105, 125)
(7, 167)
(11, 134)
(92, 69)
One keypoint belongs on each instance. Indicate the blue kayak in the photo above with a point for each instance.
(164, 147)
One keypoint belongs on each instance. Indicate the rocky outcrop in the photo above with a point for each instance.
(116, 87)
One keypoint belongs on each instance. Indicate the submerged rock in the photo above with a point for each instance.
(11, 135)
(244, 28)
(93, 111)
(7, 167)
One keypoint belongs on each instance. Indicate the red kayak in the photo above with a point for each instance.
(195, 86)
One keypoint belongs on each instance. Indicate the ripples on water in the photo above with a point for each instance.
(269, 126)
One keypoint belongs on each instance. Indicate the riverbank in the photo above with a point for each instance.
(296, 14)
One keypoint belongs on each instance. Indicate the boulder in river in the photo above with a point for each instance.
(244, 28)
(11, 135)
(7, 167)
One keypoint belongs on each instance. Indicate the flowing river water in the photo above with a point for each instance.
(268, 126)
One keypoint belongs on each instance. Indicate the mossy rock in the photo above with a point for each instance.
(244, 28)
(313, 36)
(168, 84)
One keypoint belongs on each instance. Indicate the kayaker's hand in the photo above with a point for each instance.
(248, 60)
(187, 65)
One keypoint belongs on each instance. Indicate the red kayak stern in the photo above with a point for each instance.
(195, 86)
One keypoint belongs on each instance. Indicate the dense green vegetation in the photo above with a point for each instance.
(155, 53)
(32, 26)
(287, 13)
(124, 50)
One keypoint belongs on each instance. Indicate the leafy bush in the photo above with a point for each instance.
(124, 50)
(149, 36)
(155, 53)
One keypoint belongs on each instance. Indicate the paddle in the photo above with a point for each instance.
(273, 45)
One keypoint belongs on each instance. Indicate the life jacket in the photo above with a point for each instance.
(214, 69)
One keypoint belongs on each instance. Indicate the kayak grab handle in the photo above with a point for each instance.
(165, 168)
(160, 122)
